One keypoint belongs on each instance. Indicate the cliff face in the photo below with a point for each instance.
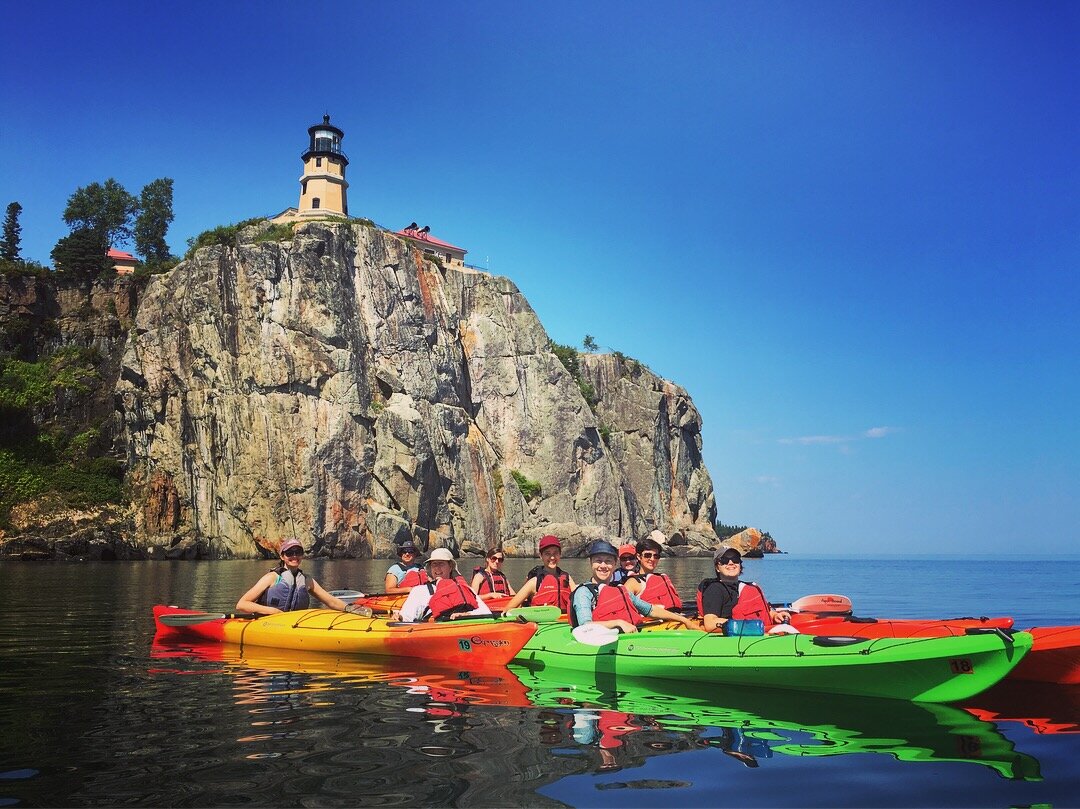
(341, 388)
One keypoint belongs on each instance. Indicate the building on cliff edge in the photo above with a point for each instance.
(323, 188)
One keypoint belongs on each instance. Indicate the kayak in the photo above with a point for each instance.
(463, 642)
(1054, 655)
(776, 721)
(918, 669)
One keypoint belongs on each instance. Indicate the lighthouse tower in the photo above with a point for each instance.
(322, 185)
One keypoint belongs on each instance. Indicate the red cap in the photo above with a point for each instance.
(628, 550)
(550, 541)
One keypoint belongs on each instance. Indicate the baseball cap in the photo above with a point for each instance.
(628, 549)
(601, 546)
(550, 541)
(291, 542)
(726, 554)
(407, 545)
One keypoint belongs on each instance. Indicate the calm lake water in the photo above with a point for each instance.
(92, 713)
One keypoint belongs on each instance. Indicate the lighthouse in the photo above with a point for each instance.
(322, 185)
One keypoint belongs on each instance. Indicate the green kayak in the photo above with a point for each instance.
(919, 669)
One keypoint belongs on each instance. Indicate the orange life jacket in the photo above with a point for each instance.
(610, 602)
(494, 582)
(449, 596)
(660, 590)
(552, 588)
(414, 576)
(751, 603)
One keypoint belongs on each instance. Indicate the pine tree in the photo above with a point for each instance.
(9, 245)
(155, 214)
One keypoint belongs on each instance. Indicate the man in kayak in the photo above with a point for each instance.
(286, 588)
(402, 576)
(648, 584)
(725, 597)
(547, 583)
(600, 603)
(446, 596)
(489, 581)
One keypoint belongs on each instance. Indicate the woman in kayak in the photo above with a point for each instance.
(286, 588)
(647, 584)
(600, 603)
(402, 576)
(446, 596)
(547, 583)
(725, 597)
(489, 581)
(628, 564)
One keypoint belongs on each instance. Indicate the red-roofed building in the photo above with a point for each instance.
(123, 263)
(423, 239)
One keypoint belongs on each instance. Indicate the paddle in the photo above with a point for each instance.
(825, 604)
(192, 618)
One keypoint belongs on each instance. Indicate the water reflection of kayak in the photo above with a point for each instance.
(1046, 709)
(781, 720)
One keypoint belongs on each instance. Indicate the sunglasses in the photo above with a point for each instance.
(407, 553)
(730, 562)
(627, 558)
(496, 558)
(649, 555)
(293, 552)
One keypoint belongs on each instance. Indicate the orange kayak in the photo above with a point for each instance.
(1054, 655)
(475, 641)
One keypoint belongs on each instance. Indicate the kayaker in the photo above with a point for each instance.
(405, 574)
(489, 581)
(725, 597)
(628, 564)
(446, 596)
(286, 588)
(601, 603)
(656, 588)
(547, 583)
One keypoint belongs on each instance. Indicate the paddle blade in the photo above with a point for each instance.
(827, 603)
(192, 618)
(541, 615)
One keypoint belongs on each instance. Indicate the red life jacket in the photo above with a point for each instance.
(660, 590)
(610, 602)
(751, 604)
(414, 576)
(449, 596)
(552, 588)
(494, 582)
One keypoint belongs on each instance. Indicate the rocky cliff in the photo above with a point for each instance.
(338, 386)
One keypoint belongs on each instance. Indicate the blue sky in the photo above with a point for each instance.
(850, 230)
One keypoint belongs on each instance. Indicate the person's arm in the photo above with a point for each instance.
(573, 584)
(656, 611)
(249, 601)
(527, 591)
(390, 583)
(715, 608)
(634, 585)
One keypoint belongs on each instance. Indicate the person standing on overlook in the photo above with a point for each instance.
(286, 588)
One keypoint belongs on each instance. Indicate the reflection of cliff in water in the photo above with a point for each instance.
(751, 724)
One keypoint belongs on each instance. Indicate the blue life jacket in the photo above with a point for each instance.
(286, 595)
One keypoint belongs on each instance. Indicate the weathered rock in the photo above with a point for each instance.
(340, 388)
(751, 543)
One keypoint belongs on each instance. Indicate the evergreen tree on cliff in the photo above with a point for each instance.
(155, 214)
(9, 245)
(81, 254)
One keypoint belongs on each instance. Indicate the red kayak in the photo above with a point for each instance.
(1054, 655)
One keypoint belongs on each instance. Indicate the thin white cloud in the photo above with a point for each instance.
(767, 480)
(843, 440)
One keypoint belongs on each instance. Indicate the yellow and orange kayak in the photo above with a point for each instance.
(473, 641)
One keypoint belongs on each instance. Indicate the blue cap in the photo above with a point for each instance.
(602, 546)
